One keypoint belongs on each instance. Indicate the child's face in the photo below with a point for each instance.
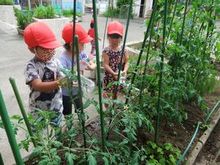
(44, 54)
(114, 40)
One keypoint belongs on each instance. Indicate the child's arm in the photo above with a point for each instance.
(106, 65)
(40, 86)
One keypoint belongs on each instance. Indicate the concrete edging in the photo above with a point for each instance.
(203, 139)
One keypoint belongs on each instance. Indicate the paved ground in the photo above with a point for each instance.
(14, 55)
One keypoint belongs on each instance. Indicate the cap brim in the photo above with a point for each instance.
(51, 45)
(86, 40)
(115, 32)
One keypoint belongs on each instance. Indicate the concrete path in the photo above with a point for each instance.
(14, 55)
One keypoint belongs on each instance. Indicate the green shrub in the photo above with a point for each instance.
(23, 17)
(6, 2)
(69, 13)
(111, 12)
(43, 12)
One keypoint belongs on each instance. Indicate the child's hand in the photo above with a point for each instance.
(124, 74)
(63, 82)
(75, 84)
(115, 76)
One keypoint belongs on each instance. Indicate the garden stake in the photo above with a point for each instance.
(115, 90)
(184, 20)
(98, 75)
(189, 145)
(1, 160)
(9, 131)
(142, 48)
(172, 19)
(145, 65)
(81, 114)
(74, 30)
(21, 106)
(161, 72)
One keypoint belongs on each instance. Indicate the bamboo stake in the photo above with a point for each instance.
(161, 72)
(1, 160)
(142, 48)
(123, 50)
(21, 106)
(98, 75)
(81, 114)
(9, 131)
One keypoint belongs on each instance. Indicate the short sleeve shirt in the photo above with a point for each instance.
(47, 72)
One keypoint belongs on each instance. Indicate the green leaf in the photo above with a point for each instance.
(106, 162)
(70, 158)
(91, 159)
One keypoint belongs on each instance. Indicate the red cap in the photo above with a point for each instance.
(67, 33)
(39, 34)
(115, 27)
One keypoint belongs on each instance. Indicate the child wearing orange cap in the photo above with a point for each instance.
(66, 62)
(111, 57)
(43, 70)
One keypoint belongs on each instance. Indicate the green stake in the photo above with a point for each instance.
(1, 160)
(81, 114)
(9, 131)
(21, 106)
(98, 74)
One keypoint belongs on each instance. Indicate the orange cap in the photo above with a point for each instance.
(39, 34)
(115, 27)
(67, 33)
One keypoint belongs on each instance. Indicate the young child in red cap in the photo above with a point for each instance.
(43, 70)
(66, 62)
(91, 33)
(111, 57)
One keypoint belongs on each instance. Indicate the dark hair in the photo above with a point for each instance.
(114, 36)
(67, 46)
(91, 25)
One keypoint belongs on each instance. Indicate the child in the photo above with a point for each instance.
(91, 33)
(66, 62)
(42, 71)
(111, 57)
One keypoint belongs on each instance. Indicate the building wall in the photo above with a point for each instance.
(147, 7)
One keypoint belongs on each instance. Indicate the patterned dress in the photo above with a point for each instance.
(114, 62)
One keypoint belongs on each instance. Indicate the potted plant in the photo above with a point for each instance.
(6, 2)
(23, 17)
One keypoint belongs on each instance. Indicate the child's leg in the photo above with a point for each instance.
(77, 103)
(67, 105)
